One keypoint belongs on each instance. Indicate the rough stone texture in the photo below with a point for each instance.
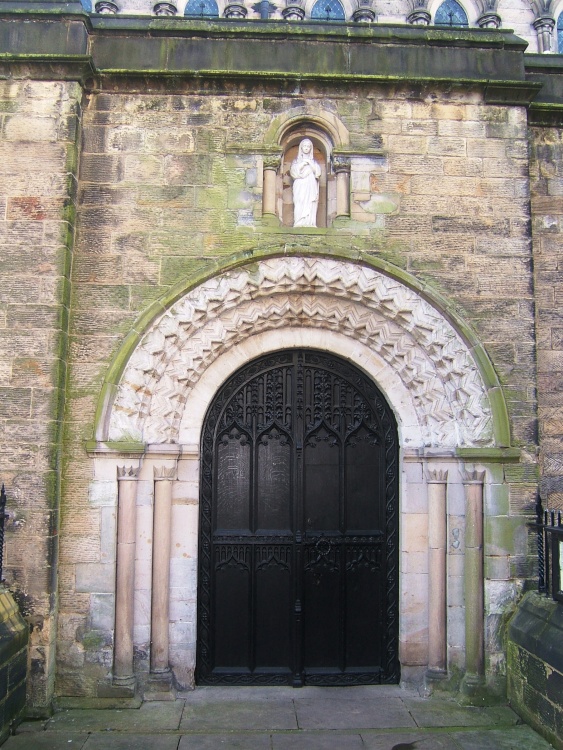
(37, 189)
(546, 171)
(14, 637)
(170, 188)
(169, 195)
(535, 665)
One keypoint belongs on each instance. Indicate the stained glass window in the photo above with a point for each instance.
(451, 13)
(328, 10)
(201, 8)
(560, 34)
(87, 5)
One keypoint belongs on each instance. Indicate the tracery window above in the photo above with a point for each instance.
(560, 34)
(201, 8)
(450, 13)
(328, 10)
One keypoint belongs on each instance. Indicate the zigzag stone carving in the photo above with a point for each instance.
(410, 335)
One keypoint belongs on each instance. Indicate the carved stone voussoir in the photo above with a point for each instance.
(411, 337)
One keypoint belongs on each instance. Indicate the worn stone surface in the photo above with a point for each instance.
(37, 192)
(168, 187)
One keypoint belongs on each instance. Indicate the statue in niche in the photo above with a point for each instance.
(305, 172)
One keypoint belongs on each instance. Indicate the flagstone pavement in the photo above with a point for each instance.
(310, 718)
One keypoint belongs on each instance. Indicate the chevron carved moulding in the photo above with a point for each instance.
(407, 333)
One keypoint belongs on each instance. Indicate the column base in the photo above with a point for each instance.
(473, 691)
(119, 687)
(159, 687)
(434, 679)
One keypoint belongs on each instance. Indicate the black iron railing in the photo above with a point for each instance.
(549, 526)
(3, 517)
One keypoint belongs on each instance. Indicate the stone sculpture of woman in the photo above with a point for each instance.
(305, 172)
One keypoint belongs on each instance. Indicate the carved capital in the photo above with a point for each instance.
(473, 477)
(128, 472)
(106, 7)
(364, 14)
(293, 12)
(437, 476)
(164, 472)
(165, 9)
(544, 26)
(341, 164)
(489, 21)
(235, 10)
(419, 17)
(272, 161)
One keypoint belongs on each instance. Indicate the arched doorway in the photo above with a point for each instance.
(298, 565)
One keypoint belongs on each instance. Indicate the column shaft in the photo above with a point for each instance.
(125, 576)
(160, 597)
(269, 191)
(437, 540)
(473, 578)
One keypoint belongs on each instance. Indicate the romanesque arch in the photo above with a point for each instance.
(437, 379)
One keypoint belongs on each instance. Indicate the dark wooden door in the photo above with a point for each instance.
(298, 560)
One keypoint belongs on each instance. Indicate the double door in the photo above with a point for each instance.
(298, 562)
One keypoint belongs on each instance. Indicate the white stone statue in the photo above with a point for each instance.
(305, 172)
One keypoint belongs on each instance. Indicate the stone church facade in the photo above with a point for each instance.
(148, 256)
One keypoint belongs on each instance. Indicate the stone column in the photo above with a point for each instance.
(544, 28)
(125, 576)
(271, 166)
(160, 596)
(342, 170)
(437, 544)
(474, 679)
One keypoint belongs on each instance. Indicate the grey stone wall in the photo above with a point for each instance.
(39, 126)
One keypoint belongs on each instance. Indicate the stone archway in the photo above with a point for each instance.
(439, 384)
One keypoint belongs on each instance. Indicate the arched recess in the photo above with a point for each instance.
(327, 134)
(449, 380)
(436, 377)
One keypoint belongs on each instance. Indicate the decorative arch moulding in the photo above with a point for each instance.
(438, 363)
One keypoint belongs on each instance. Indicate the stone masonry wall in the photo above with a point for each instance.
(38, 130)
(546, 169)
(170, 188)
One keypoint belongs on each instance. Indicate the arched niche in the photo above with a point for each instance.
(322, 152)
(334, 182)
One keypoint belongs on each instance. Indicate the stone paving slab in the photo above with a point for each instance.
(226, 742)
(511, 738)
(46, 741)
(254, 712)
(113, 741)
(317, 741)
(410, 741)
(362, 718)
(150, 717)
(336, 711)
(443, 713)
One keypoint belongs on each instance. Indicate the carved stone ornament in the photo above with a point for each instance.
(272, 161)
(106, 7)
(489, 21)
(235, 10)
(165, 9)
(409, 335)
(341, 164)
(544, 27)
(364, 13)
(293, 12)
(419, 17)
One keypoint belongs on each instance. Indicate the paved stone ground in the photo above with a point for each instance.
(353, 718)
